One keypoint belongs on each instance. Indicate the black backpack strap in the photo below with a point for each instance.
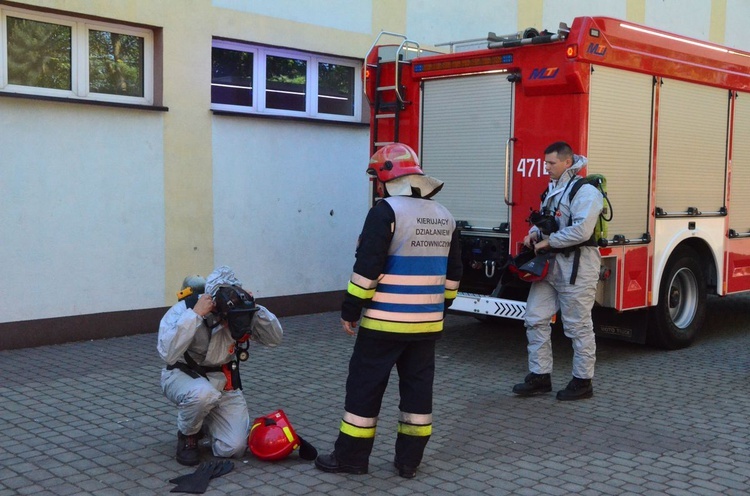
(576, 249)
(579, 181)
(191, 300)
(191, 367)
(185, 368)
(544, 194)
(576, 263)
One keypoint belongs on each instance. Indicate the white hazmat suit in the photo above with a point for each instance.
(556, 292)
(205, 401)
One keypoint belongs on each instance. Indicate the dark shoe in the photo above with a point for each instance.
(187, 449)
(405, 471)
(577, 389)
(329, 463)
(534, 384)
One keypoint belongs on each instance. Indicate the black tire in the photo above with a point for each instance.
(675, 321)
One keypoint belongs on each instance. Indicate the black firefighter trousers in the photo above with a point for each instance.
(370, 366)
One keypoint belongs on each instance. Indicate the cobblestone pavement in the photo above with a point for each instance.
(89, 417)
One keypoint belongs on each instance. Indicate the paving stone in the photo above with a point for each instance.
(667, 423)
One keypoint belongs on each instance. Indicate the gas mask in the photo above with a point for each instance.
(544, 221)
(235, 306)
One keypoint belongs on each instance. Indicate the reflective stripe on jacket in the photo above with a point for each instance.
(408, 295)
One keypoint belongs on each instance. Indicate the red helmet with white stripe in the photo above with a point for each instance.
(394, 160)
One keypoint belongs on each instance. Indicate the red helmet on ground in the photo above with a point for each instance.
(272, 437)
(529, 266)
(394, 160)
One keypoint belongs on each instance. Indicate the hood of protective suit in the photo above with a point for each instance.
(425, 186)
(223, 275)
(557, 187)
(579, 162)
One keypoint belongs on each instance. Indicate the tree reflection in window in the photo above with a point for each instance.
(286, 82)
(231, 77)
(39, 54)
(335, 89)
(115, 63)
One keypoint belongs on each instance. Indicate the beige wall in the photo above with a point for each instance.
(185, 30)
(188, 146)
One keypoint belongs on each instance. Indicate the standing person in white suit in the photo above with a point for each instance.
(570, 284)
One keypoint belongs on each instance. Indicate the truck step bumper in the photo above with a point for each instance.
(489, 306)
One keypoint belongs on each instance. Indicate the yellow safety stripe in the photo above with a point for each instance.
(414, 430)
(450, 294)
(288, 433)
(360, 292)
(354, 431)
(401, 327)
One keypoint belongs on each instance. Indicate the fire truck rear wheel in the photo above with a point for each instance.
(674, 322)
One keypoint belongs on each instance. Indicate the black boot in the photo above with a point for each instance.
(409, 452)
(350, 455)
(329, 463)
(187, 449)
(404, 471)
(577, 389)
(534, 384)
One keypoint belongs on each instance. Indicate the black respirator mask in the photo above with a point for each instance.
(544, 221)
(237, 307)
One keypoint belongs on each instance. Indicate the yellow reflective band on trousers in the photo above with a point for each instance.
(359, 292)
(401, 327)
(354, 431)
(414, 430)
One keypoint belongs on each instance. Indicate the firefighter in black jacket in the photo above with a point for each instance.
(407, 270)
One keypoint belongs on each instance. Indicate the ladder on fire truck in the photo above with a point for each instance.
(388, 99)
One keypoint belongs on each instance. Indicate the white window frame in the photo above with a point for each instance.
(262, 83)
(358, 91)
(311, 87)
(79, 58)
(240, 47)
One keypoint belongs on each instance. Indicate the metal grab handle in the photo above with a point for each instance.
(507, 170)
(395, 77)
(403, 44)
(367, 56)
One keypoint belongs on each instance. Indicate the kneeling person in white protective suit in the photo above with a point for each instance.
(202, 339)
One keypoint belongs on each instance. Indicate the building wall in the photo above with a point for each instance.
(290, 198)
(106, 209)
(82, 225)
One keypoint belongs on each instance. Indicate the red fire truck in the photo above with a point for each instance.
(664, 117)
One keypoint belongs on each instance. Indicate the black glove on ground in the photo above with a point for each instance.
(197, 482)
(306, 450)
